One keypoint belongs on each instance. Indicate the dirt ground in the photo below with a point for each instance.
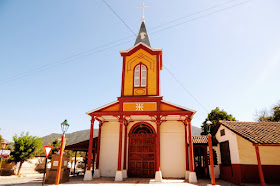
(36, 180)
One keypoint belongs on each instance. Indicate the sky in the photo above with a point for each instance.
(60, 59)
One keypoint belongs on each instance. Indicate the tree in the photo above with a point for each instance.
(273, 115)
(214, 116)
(56, 146)
(1, 138)
(25, 146)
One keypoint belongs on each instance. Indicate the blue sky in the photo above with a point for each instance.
(60, 59)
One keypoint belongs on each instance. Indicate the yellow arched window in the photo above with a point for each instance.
(140, 76)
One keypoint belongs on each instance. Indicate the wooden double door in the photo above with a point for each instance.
(142, 155)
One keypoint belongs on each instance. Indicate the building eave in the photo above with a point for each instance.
(104, 106)
(141, 43)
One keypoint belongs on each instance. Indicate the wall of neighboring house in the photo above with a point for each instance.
(231, 172)
(244, 168)
(269, 159)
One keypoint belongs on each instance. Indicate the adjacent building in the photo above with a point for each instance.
(249, 151)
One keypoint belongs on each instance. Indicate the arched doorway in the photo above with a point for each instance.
(142, 151)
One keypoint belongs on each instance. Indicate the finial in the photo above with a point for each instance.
(143, 6)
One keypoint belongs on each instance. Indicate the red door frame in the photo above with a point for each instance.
(130, 133)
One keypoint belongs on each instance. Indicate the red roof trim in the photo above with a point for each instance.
(140, 46)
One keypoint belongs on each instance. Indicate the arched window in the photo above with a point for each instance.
(142, 128)
(140, 76)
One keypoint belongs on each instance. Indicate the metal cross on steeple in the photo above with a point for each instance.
(143, 6)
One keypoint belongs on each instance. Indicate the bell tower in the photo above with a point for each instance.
(141, 67)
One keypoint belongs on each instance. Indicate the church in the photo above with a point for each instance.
(141, 134)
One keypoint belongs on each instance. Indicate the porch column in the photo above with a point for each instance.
(96, 173)
(124, 171)
(192, 174)
(88, 173)
(260, 166)
(158, 177)
(119, 176)
(187, 151)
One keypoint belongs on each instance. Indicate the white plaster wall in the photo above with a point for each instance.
(172, 149)
(233, 145)
(109, 149)
(216, 167)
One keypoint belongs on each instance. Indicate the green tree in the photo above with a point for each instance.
(276, 113)
(1, 138)
(273, 115)
(56, 147)
(25, 146)
(214, 116)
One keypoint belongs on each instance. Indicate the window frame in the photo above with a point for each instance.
(140, 85)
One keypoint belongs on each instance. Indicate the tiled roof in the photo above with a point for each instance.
(256, 132)
(200, 139)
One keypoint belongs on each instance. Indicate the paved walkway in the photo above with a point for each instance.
(142, 181)
(36, 180)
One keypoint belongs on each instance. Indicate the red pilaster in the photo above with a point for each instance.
(98, 144)
(187, 147)
(260, 166)
(120, 145)
(90, 144)
(190, 145)
(125, 144)
(158, 145)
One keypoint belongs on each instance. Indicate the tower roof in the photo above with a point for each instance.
(143, 35)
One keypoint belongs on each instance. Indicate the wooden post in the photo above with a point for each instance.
(120, 145)
(191, 146)
(125, 145)
(158, 175)
(158, 145)
(187, 147)
(90, 145)
(98, 145)
(75, 162)
(260, 166)
(211, 159)
(57, 179)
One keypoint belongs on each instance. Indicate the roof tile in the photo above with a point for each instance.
(256, 132)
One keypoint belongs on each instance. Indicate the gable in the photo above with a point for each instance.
(166, 107)
(115, 107)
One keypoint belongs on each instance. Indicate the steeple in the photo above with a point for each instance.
(143, 35)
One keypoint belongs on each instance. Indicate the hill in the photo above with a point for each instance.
(83, 135)
(71, 138)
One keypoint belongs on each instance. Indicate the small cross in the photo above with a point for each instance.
(143, 6)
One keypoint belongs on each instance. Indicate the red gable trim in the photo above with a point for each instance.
(141, 46)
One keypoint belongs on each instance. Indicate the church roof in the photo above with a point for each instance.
(256, 132)
(143, 35)
(165, 106)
